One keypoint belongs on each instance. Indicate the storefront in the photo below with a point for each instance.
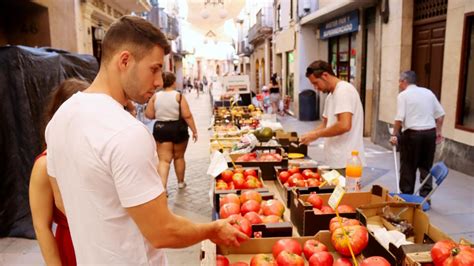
(341, 34)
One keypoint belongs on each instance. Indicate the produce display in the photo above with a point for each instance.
(294, 178)
(259, 157)
(238, 179)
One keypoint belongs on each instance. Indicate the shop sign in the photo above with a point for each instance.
(341, 25)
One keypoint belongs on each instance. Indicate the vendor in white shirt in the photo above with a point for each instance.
(343, 116)
(421, 115)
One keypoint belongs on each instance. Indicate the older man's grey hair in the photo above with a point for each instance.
(409, 76)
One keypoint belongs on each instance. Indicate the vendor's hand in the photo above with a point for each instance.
(439, 138)
(394, 140)
(195, 137)
(227, 235)
(309, 137)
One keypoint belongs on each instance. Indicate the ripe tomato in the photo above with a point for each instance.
(228, 209)
(334, 223)
(271, 219)
(286, 244)
(286, 258)
(274, 207)
(345, 208)
(250, 195)
(342, 262)
(229, 198)
(447, 253)
(375, 261)
(227, 175)
(262, 260)
(283, 176)
(242, 224)
(315, 200)
(222, 260)
(251, 172)
(313, 246)
(322, 258)
(307, 173)
(238, 180)
(250, 206)
(326, 209)
(253, 218)
(358, 239)
(293, 170)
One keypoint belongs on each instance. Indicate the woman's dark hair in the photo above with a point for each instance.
(273, 79)
(168, 79)
(59, 95)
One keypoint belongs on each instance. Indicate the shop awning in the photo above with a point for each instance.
(335, 9)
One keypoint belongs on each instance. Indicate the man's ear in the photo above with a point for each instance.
(124, 60)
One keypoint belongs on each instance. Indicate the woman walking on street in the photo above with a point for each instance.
(171, 110)
(274, 94)
(45, 199)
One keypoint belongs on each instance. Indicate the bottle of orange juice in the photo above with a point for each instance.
(353, 172)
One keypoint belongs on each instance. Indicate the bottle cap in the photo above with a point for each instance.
(354, 152)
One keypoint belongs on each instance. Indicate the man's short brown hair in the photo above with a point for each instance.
(168, 79)
(318, 67)
(134, 34)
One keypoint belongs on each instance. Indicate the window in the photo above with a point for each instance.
(465, 106)
(291, 9)
(342, 56)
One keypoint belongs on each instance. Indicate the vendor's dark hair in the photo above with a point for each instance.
(136, 34)
(318, 67)
(59, 95)
(168, 79)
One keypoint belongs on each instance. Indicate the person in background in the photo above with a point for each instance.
(421, 116)
(171, 110)
(343, 117)
(104, 160)
(45, 199)
(274, 94)
(264, 99)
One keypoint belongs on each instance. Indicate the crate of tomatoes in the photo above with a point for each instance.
(265, 158)
(305, 180)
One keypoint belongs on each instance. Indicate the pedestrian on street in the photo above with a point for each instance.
(421, 116)
(45, 199)
(343, 117)
(104, 160)
(171, 110)
(274, 94)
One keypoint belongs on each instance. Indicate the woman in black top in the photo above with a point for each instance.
(274, 94)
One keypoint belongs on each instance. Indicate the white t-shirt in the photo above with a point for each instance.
(417, 108)
(104, 161)
(337, 149)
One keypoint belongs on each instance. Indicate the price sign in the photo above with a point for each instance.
(331, 176)
(336, 197)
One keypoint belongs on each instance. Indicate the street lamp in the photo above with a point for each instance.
(99, 34)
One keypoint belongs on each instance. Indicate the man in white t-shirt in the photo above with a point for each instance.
(343, 116)
(421, 115)
(104, 160)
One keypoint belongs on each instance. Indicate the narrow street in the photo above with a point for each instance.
(452, 205)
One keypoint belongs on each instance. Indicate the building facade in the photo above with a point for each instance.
(369, 43)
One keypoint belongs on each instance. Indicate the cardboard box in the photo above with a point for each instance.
(250, 248)
(425, 233)
(309, 223)
(267, 168)
(287, 195)
(282, 229)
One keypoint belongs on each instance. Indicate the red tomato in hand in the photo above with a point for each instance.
(358, 239)
(322, 258)
(375, 261)
(313, 246)
(286, 244)
(447, 253)
(242, 224)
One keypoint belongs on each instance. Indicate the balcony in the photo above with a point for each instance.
(167, 24)
(263, 27)
(244, 48)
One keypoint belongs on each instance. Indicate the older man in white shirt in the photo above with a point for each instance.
(421, 116)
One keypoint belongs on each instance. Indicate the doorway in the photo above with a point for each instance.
(429, 28)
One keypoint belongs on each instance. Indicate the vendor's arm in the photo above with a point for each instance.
(343, 125)
(41, 204)
(150, 108)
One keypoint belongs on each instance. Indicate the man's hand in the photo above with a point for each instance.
(439, 138)
(394, 140)
(195, 137)
(309, 137)
(226, 234)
